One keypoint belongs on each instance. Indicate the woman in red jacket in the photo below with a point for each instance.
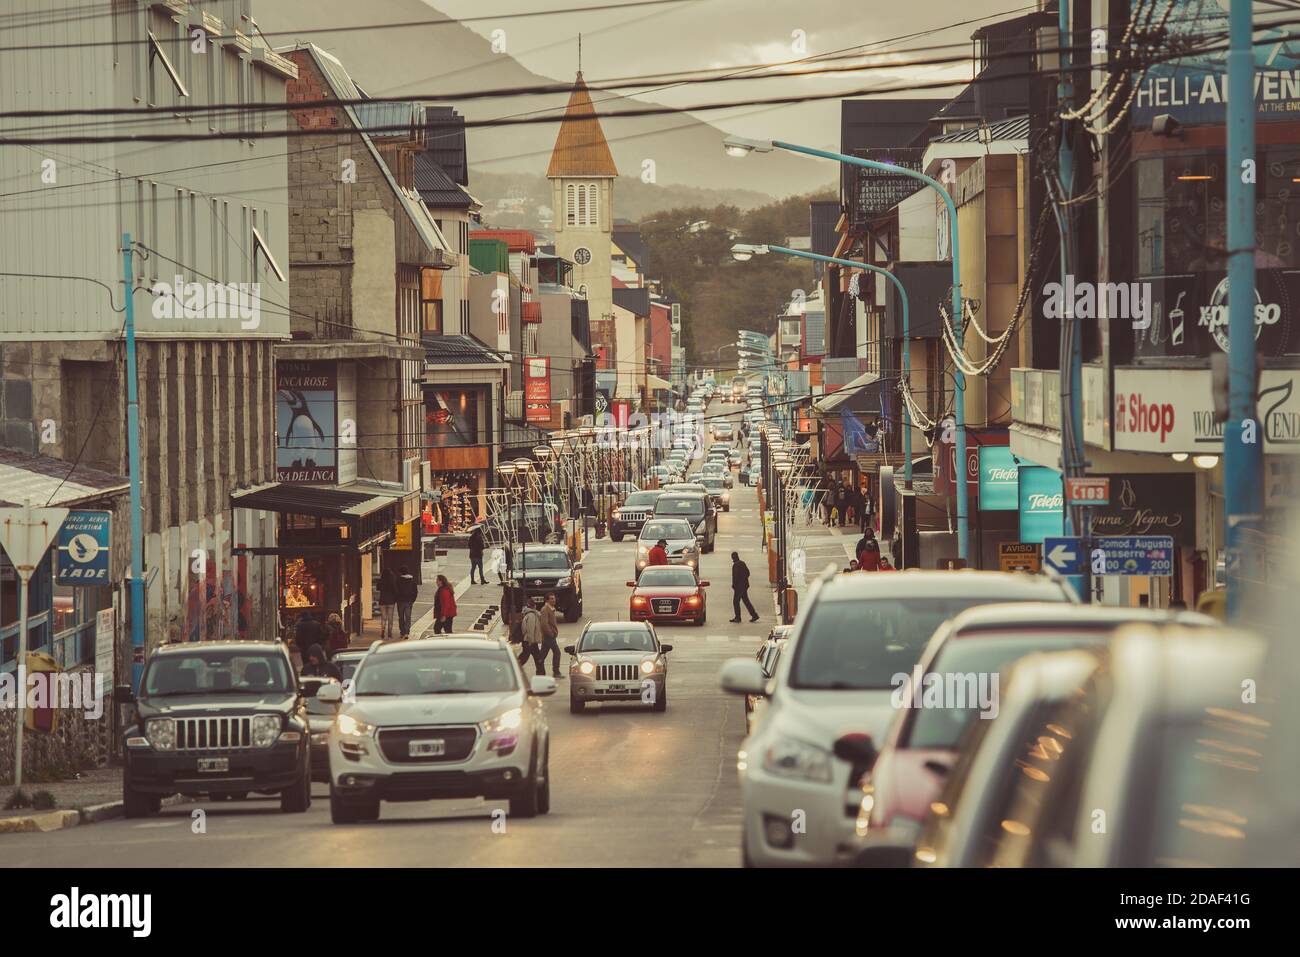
(444, 607)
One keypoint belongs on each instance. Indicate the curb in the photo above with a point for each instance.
(72, 817)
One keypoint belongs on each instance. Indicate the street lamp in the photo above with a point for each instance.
(743, 252)
(743, 146)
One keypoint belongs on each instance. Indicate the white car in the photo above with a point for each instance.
(857, 635)
(446, 717)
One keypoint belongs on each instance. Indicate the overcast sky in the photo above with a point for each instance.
(698, 34)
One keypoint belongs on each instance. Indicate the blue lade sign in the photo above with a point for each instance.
(84, 548)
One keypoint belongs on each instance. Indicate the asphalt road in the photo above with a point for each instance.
(629, 787)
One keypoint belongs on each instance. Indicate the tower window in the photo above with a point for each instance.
(570, 205)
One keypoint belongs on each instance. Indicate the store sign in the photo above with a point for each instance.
(1194, 89)
(84, 549)
(1020, 557)
(105, 629)
(403, 536)
(306, 422)
(1163, 410)
(1189, 312)
(1149, 504)
(1042, 503)
(999, 479)
(537, 389)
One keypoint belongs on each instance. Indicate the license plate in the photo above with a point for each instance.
(214, 764)
(427, 749)
(663, 606)
(617, 688)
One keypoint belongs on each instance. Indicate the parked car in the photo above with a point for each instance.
(542, 569)
(320, 716)
(695, 508)
(922, 743)
(668, 593)
(632, 514)
(719, 495)
(445, 717)
(856, 634)
(216, 718)
(618, 661)
(683, 548)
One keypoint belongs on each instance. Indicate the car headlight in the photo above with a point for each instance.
(505, 721)
(266, 728)
(320, 737)
(797, 759)
(586, 668)
(161, 733)
(649, 666)
(351, 727)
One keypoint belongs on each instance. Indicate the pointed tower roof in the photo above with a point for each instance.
(580, 148)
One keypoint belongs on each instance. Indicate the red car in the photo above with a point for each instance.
(668, 593)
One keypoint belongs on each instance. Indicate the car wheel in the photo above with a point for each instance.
(616, 536)
(699, 622)
(576, 705)
(138, 804)
(574, 611)
(524, 803)
(544, 795)
(297, 797)
(661, 702)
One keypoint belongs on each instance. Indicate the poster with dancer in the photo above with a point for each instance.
(306, 422)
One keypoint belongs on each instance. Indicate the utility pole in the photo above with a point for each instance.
(1242, 438)
(136, 585)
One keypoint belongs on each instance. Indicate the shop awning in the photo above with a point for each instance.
(864, 391)
(44, 480)
(324, 501)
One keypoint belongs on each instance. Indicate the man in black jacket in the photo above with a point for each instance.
(476, 554)
(740, 588)
(408, 590)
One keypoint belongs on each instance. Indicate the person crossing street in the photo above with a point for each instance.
(740, 588)
(550, 632)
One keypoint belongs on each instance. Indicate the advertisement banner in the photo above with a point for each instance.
(306, 422)
(1042, 503)
(537, 389)
(1189, 313)
(999, 479)
(83, 549)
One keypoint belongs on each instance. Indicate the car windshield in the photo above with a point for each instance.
(436, 671)
(621, 640)
(641, 499)
(668, 531)
(715, 484)
(659, 576)
(679, 506)
(542, 559)
(347, 666)
(961, 679)
(856, 645)
(217, 672)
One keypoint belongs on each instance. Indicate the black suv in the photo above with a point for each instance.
(542, 569)
(220, 718)
(696, 508)
(628, 518)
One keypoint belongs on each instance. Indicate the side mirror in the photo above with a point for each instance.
(664, 649)
(123, 694)
(577, 566)
(541, 686)
(742, 676)
(856, 748)
(704, 584)
(568, 650)
(330, 693)
(631, 584)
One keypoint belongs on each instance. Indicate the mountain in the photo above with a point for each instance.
(435, 63)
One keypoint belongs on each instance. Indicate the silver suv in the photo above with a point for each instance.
(683, 548)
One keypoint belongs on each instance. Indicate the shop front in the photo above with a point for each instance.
(458, 438)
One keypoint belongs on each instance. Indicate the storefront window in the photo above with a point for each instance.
(1182, 253)
(302, 584)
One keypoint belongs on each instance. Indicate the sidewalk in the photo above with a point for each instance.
(825, 546)
(96, 795)
(476, 605)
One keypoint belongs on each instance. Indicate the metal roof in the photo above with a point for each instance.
(437, 189)
(1016, 128)
(43, 480)
(311, 500)
(459, 349)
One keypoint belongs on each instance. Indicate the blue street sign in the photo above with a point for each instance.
(1121, 554)
(84, 548)
(1063, 555)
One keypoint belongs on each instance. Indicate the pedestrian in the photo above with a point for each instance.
(550, 632)
(408, 590)
(308, 631)
(444, 607)
(387, 601)
(336, 636)
(885, 565)
(740, 588)
(869, 554)
(476, 554)
(530, 633)
(856, 504)
(841, 503)
(853, 566)
(659, 554)
(319, 666)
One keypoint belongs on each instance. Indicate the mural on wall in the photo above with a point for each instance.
(218, 606)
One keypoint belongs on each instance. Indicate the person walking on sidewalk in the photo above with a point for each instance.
(408, 590)
(444, 607)
(387, 601)
(550, 632)
(740, 588)
(530, 633)
(476, 555)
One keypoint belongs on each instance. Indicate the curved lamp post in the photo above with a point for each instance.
(742, 146)
(743, 252)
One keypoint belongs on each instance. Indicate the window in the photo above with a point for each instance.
(593, 206)
(570, 205)
(582, 206)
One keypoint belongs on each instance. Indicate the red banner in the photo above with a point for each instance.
(537, 389)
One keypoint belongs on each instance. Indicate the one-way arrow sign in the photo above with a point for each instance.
(1063, 555)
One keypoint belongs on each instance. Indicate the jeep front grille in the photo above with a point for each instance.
(213, 734)
(618, 672)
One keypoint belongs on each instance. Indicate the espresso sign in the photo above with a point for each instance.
(1149, 504)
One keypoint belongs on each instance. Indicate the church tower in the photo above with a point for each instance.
(582, 176)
